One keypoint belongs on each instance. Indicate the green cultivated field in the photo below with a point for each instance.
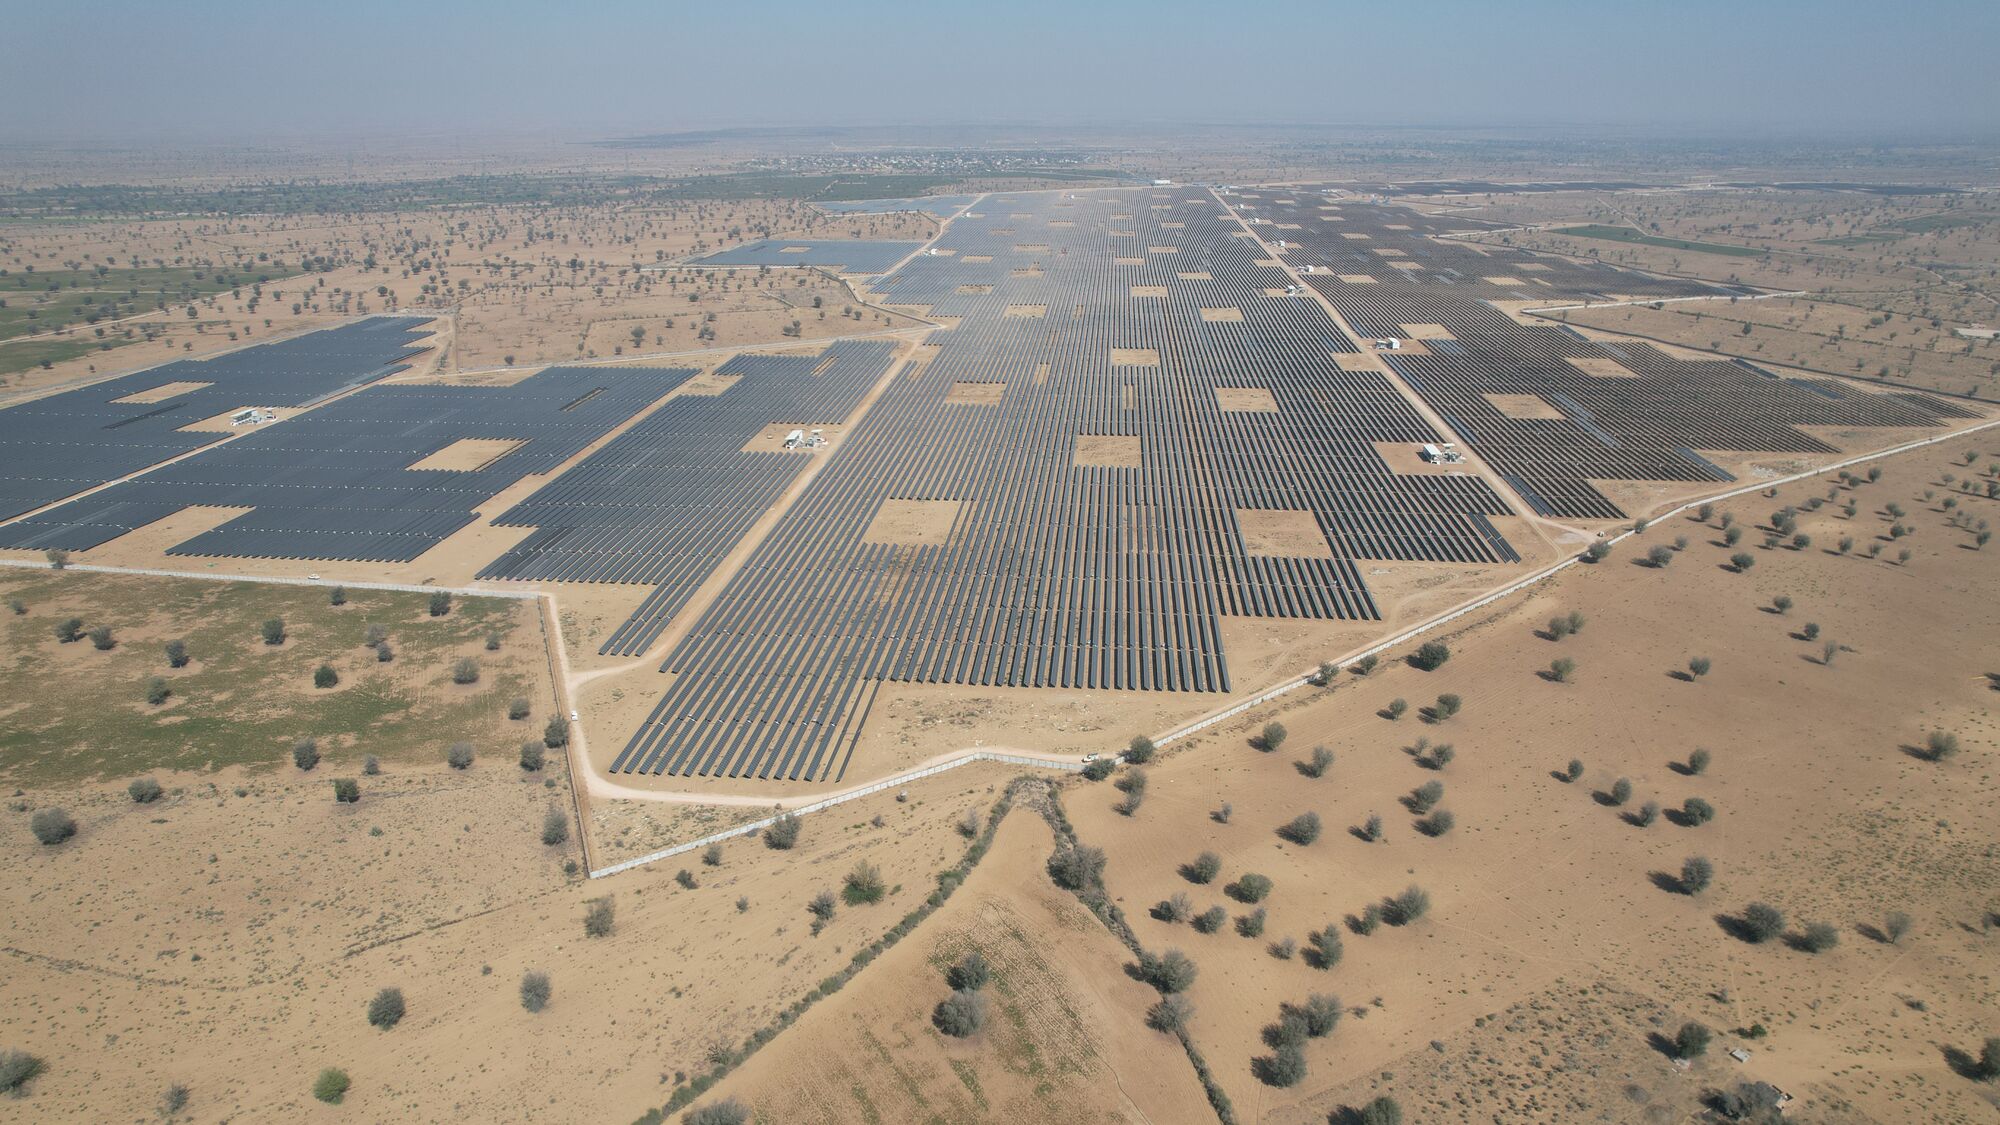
(45, 300)
(70, 712)
(1628, 234)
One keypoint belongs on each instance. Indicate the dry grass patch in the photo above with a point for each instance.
(1246, 400)
(1358, 279)
(1504, 282)
(913, 522)
(1111, 451)
(1196, 275)
(1425, 332)
(1149, 290)
(1027, 312)
(973, 259)
(161, 393)
(1353, 237)
(974, 290)
(467, 455)
(1602, 366)
(1135, 357)
(1282, 532)
(1163, 249)
(1222, 314)
(1524, 406)
(976, 394)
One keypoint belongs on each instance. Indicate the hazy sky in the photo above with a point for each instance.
(218, 69)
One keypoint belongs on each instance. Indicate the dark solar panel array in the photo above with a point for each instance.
(1048, 572)
(1612, 428)
(664, 501)
(848, 255)
(65, 443)
(333, 483)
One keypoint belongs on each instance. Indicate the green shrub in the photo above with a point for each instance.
(1431, 655)
(1203, 868)
(158, 691)
(274, 631)
(1324, 948)
(17, 1069)
(386, 1010)
(1251, 888)
(518, 708)
(532, 756)
(331, 1085)
(1209, 921)
(783, 833)
(1140, 751)
(325, 677)
(535, 990)
(51, 826)
(1698, 667)
(1382, 1111)
(177, 654)
(69, 629)
(1272, 737)
(346, 790)
(144, 790)
(863, 885)
(1406, 907)
(1762, 922)
(1397, 707)
(1574, 771)
(1317, 765)
(599, 917)
(305, 753)
(1696, 874)
(1169, 1014)
(1697, 763)
(1691, 1041)
(1561, 669)
(459, 755)
(1301, 829)
(1697, 810)
(102, 639)
(970, 974)
(1169, 972)
(728, 1111)
(1077, 868)
(555, 735)
(961, 1014)
(1437, 823)
(1621, 791)
(466, 671)
(555, 827)
(440, 603)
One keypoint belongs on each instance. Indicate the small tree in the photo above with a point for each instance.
(1098, 769)
(1250, 888)
(1170, 972)
(1431, 655)
(960, 1014)
(1170, 1014)
(1301, 829)
(1697, 763)
(1447, 705)
(1742, 561)
(69, 629)
(1175, 909)
(1698, 667)
(466, 671)
(1561, 669)
(1659, 556)
(1940, 745)
(533, 757)
(1365, 665)
(1203, 868)
(1691, 1041)
(1322, 759)
(459, 755)
(144, 791)
(177, 654)
(440, 603)
(1437, 823)
(1406, 907)
(1621, 791)
(1371, 829)
(1827, 652)
(970, 974)
(518, 708)
(1397, 707)
(863, 885)
(1320, 1013)
(1382, 1111)
(535, 990)
(1762, 922)
(174, 1100)
(337, 596)
(1598, 551)
(1818, 938)
(1209, 921)
(346, 791)
(1140, 751)
(555, 827)
(1732, 536)
(1285, 1068)
(1574, 770)
(51, 826)
(1252, 924)
(325, 677)
(274, 631)
(1697, 811)
(1696, 873)
(331, 1085)
(1271, 737)
(1558, 627)
(370, 767)
(711, 856)
(305, 753)
(555, 735)
(386, 1010)
(1894, 925)
(1077, 868)
(1425, 797)
(102, 639)
(157, 690)
(58, 558)
(1988, 1066)
(599, 917)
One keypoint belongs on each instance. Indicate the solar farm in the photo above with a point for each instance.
(1138, 417)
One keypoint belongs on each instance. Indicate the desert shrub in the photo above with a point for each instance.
(1317, 765)
(1301, 829)
(1098, 769)
(1324, 948)
(863, 885)
(69, 629)
(102, 639)
(177, 654)
(1320, 1013)
(1284, 1067)
(1691, 1041)
(1574, 770)
(305, 753)
(1169, 972)
(17, 1069)
(1174, 909)
(1382, 1111)
(711, 856)
(1425, 797)
(518, 708)
(459, 755)
(1203, 868)
(1133, 785)
(273, 631)
(1271, 737)
(555, 827)
(331, 1085)
(1895, 925)
(1742, 561)
(1140, 751)
(1209, 921)
(1762, 922)
(1598, 551)
(1696, 873)
(1405, 907)
(1940, 745)
(370, 767)
(1397, 707)
(1437, 823)
(1446, 706)
(158, 691)
(174, 1100)
(1732, 536)
(1324, 674)
(1365, 665)
(1251, 888)
(1252, 924)
(1987, 1067)
(532, 756)
(535, 990)
(1818, 937)
(1283, 949)
(337, 596)
(1431, 655)
(1699, 666)
(970, 974)
(1365, 922)
(144, 790)
(1077, 868)
(384, 653)
(960, 1014)
(51, 826)
(1169, 1014)
(440, 603)
(1647, 814)
(466, 671)
(493, 642)
(728, 1111)
(1441, 756)
(1371, 829)
(1750, 1101)
(1222, 813)
(346, 791)
(1558, 627)
(555, 735)
(1782, 603)
(686, 879)
(19, 607)
(325, 677)
(386, 1010)
(374, 635)
(1659, 556)
(599, 919)
(968, 824)
(1697, 810)
(1561, 669)
(1697, 762)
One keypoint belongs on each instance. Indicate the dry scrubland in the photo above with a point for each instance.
(1561, 952)
(1888, 279)
(539, 284)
